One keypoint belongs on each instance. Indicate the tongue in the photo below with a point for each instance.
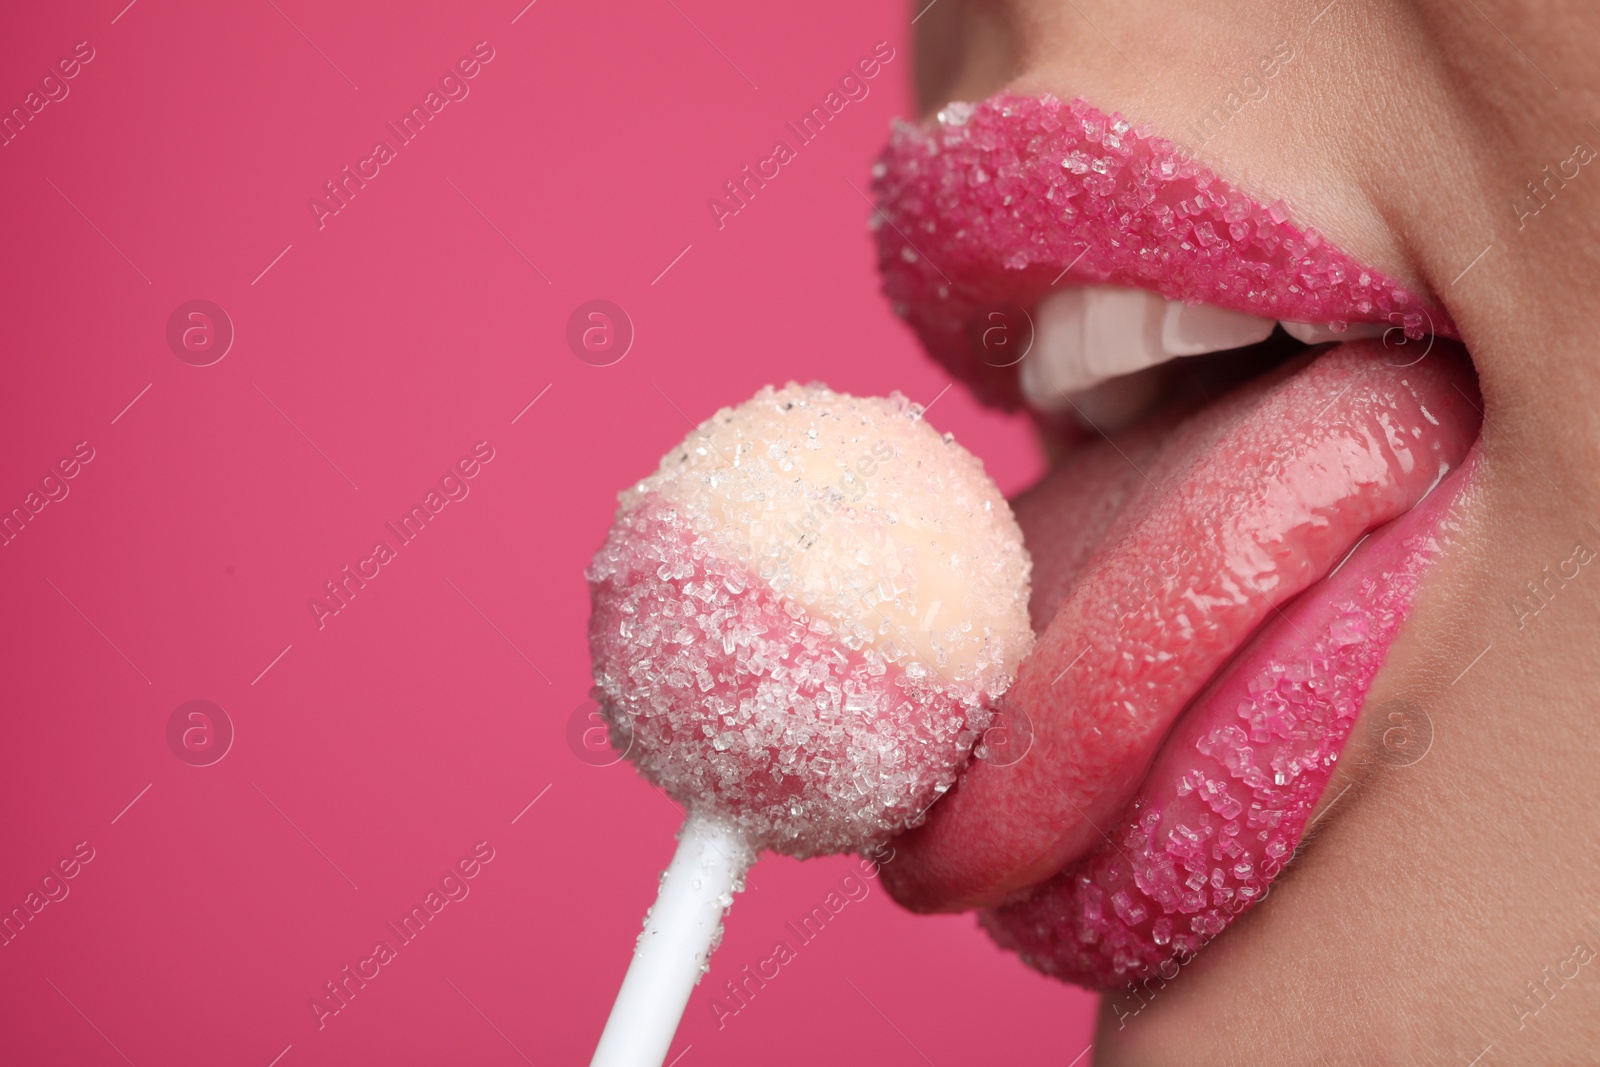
(1157, 554)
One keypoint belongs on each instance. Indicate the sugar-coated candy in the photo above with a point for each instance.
(803, 617)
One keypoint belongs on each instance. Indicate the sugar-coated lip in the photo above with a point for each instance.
(1171, 773)
(999, 202)
(1206, 633)
(1233, 789)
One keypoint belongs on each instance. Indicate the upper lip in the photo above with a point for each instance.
(973, 213)
(1150, 218)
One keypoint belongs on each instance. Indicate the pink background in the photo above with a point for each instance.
(372, 754)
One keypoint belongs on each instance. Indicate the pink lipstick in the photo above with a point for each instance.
(1004, 200)
(1231, 792)
(1216, 587)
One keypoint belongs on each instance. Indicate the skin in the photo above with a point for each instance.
(1428, 895)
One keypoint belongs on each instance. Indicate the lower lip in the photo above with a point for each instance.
(1230, 795)
(1191, 693)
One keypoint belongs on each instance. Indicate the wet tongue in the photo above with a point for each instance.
(1156, 557)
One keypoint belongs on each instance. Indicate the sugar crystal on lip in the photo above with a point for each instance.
(1190, 873)
(1135, 211)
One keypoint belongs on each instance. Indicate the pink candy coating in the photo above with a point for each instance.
(749, 633)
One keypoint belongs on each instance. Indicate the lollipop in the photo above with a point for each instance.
(800, 624)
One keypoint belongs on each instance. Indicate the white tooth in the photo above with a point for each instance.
(1312, 333)
(1194, 329)
(1084, 336)
(1091, 334)
(1051, 367)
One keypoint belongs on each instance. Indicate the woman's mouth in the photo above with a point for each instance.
(1217, 579)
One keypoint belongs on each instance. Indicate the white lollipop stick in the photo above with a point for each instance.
(677, 940)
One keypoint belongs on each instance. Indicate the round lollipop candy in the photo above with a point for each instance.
(800, 623)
